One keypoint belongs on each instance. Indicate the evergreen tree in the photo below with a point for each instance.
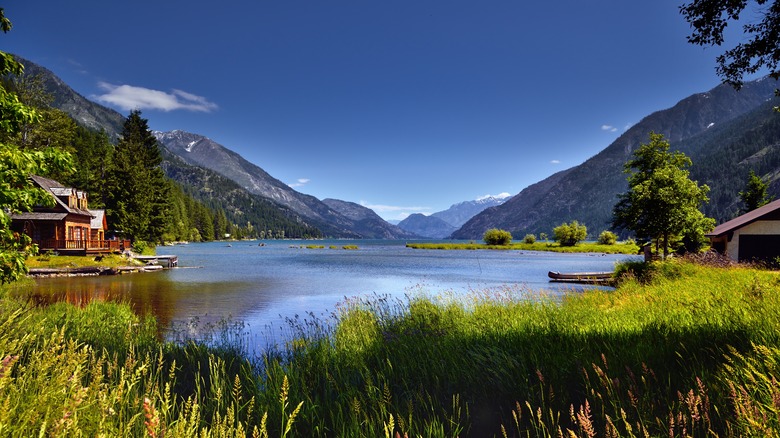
(755, 194)
(137, 202)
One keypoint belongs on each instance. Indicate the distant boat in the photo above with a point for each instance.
(580, 277)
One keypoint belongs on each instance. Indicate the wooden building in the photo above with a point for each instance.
(754, 236)
(68, 226)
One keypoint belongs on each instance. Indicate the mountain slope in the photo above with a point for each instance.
(367, 222)
(240, 206)
(427, 226)
(458, 214)
(219, 193)
(82, 110)
(588, 192)
(201, 151)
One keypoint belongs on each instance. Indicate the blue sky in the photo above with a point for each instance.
(404, 106)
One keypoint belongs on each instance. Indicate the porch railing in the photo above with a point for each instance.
(86, 245)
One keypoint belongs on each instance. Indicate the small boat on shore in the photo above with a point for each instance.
(580, 277)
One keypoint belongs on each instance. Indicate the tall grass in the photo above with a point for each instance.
(677, 350)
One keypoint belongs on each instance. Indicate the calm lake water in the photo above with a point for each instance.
(262, 285)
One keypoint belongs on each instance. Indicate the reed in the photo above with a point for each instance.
(678, 350)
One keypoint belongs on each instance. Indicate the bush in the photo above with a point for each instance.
(494, 236)
(139, 246)
(607, 238)
(529, 238)
(570, 234)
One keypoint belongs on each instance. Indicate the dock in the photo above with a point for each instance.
(167, 261)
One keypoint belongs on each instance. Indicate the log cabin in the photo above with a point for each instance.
(67, 227)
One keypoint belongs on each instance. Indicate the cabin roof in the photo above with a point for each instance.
(745, 219)
(39, 216)
(56, 189)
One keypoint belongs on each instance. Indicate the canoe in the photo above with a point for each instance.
(580, 277)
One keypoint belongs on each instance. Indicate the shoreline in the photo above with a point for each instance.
(90, 271)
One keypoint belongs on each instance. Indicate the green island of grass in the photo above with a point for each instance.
(618, 248)
(678, 349)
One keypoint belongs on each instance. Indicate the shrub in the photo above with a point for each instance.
(570, 234)
(494, 236)
(529, 238)
(139, 246)
(607, 238)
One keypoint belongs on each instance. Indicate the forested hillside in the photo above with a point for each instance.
(257, 216)
(725, 133)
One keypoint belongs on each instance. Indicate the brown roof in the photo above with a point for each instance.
(745, 219)
(38, 216)
(55, 188)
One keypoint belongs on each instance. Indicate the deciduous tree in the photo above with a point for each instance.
(494, 236)
(759, 48)
(570, 234)
(16, 192)
(662, 202)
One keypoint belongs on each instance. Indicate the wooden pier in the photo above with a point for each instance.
(168, 261)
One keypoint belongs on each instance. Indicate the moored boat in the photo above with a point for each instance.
(580, 277)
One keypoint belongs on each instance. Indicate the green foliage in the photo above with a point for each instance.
(607, 238)
(529, 238)
(136, 187)
(16, 192)
(570, 234)
(236, 211)
(758, 47)
(755, 193)
(662, 202)
(494, 236)
(141, 247)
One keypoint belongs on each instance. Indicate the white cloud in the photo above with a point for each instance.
(502, 195)
(609, 128)
(300, 183)
(555, 161)
(128, 97)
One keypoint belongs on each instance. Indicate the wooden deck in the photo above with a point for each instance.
(83, 247)
(168, 261)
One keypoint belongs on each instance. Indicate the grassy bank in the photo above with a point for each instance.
(64, 261)
(692, 351)
(619, 248)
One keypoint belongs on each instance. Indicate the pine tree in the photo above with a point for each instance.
(137, 197)
(755, 194)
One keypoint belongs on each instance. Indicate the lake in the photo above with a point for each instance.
(261, 286)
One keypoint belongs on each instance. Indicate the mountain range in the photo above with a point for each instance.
(442, 224)
(726, 133)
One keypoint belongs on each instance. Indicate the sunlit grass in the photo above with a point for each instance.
(67, 261)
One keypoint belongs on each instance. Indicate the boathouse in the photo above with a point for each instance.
(67, 227)
(754, 236)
